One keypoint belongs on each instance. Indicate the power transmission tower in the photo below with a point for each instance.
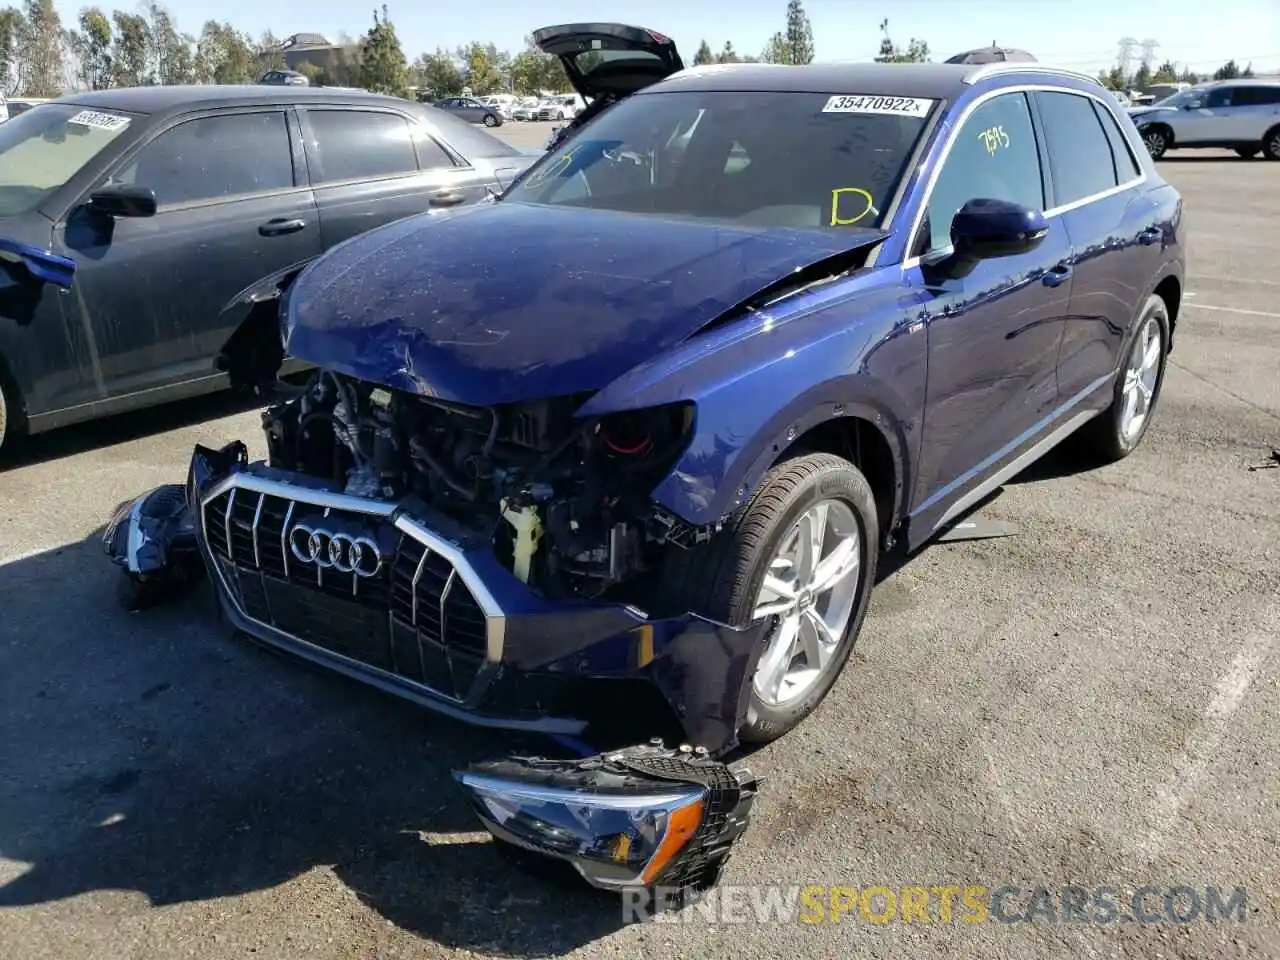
(1125, 58)
(1149, 52)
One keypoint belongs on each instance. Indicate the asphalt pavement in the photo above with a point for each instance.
(1094, 701)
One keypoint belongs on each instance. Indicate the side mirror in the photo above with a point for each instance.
(124, 200)
(987, 229)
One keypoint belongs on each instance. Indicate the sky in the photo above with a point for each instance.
(1082, 34)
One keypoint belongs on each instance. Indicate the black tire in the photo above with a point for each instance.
(722, 578)
(490, 120)
(1104, 439)
(13, 418)
(559, 114)
(1247, 153)
(1271, 144)
(1157, 139)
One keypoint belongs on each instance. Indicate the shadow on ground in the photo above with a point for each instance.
(160, 754)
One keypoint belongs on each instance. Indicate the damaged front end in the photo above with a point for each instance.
(153, 540)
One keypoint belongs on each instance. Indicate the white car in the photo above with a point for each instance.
(526, 109)
(1242, 115)
(564, 107)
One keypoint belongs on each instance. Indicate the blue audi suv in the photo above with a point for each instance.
(625, 444)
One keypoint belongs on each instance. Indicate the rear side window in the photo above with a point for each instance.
(993, 157)
(1258, 96)
(468, 139)
(1079, 151)
(213, 158)
(360, 145)
(1126, 165)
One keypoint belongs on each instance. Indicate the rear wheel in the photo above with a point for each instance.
(1271, 144)
(1157, 140)
(800, 557)
(1247, 153)
(1116, 433)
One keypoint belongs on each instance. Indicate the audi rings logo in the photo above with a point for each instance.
(343, 552)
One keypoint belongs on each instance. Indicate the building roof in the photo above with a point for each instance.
(150, 100)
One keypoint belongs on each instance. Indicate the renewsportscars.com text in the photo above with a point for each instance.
(947, 903)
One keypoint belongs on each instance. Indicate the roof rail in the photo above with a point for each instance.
(988, 69)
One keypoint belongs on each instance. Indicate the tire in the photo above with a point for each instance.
(1271, 144)
(13, 420)
(1157, 139)
(1247, 153)
(490, 120)
(560, 115)
(1112, 435)
(724, 579)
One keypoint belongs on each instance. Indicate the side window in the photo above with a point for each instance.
(431, 156)
(1221, 97)
(1126, 165)
(360, 145)
(214, 158)
(994, 157)
(1257, 96)
(1079, 151)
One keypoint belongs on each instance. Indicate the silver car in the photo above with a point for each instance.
(1242, 115)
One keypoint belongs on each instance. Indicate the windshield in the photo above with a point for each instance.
(765, 159)
(44, 147)
(1181, 98)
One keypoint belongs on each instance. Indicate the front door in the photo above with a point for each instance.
(370, 167)
(230, 210)
(1215, 122)
(993, 335)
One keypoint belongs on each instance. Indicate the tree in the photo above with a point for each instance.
(1165, 73)
(1189, 76)
(1247, 71)
(91, 46)
(129, 49)
(728, 54)
(382, 65)
(795, 43)
(1228, 71)
(12, 27)
(1142, 77)
(40, 50)
(1116, 78)
(703, 55)
(917, 50)
(437, 73)
(170, 59)
(269, 53)
(225, 55)
(533, 71)
(483, 73)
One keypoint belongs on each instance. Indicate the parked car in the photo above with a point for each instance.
(525, 109)
(471, 110)
(630, 442)
(285, 78)
(1242, 115)
(163, 204)
(23, 105)
(564, 107)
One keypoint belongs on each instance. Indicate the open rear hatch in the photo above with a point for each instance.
(610, 60)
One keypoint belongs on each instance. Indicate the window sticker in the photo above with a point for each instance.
(102, 121)
(850, 200)
(890, 106)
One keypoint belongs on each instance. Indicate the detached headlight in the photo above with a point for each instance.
(641, 817)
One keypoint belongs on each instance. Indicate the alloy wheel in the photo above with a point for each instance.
(1155, 143)
(1140, 378)
(1273, 145)
(809, 594)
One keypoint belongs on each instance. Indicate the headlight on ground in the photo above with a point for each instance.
(647, 817)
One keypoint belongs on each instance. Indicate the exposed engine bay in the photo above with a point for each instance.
(564, 501)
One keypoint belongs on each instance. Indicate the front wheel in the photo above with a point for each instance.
(1271, 144)
(1156, 140)
(490, 120)
(800, 558)
(1116, 433)
(559, 114)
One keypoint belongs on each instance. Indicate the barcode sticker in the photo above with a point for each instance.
(893, 106)
(102, 121)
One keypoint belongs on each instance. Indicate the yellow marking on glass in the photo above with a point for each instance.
(836, 194)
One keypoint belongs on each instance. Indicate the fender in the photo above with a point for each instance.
(270, 287)
(253, 355)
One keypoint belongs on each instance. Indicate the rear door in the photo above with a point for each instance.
(1111, 220)
(233, 205)
(370, 166)
(1259, 111)
(609, 59)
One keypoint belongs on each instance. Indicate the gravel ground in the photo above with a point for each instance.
(1092, 702)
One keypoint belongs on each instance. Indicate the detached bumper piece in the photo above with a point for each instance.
(153, 540)
(653, 823)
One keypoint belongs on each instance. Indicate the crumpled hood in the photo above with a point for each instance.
(504, 301)
(1147, 113)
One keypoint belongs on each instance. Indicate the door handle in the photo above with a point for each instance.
(1149, 236)
(280, 226)
(1057, 275)
(446, 200)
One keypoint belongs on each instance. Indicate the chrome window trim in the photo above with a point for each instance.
(911, 262)
(401, 518)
